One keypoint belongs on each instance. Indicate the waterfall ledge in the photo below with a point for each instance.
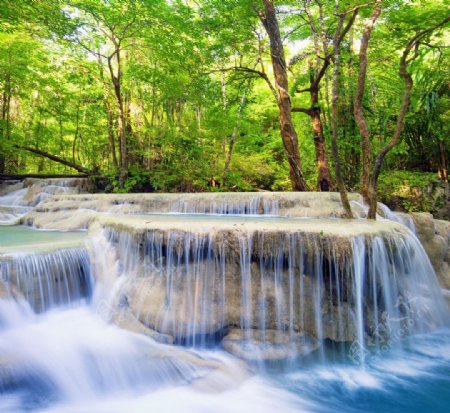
(199, 279)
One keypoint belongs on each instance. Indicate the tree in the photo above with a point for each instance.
(289, 137)
(371, 173)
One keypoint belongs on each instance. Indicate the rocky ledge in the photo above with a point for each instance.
(268, 285)
(77, 211)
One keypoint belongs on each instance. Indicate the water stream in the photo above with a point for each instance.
(262, 320)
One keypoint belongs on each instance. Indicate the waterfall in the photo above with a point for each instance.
(17, 198)
(261, 291)
(211, 302)
(254, 205)
(50, 279)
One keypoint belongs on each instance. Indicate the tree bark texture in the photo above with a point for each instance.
(287, 130)
(334, 122)
(358, 108)
(117, 84)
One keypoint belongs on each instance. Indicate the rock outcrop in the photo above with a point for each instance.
(435, 237)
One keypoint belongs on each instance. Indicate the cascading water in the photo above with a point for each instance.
(18, 198)
(51, 279)
(352, 309)
(278, 289)
(251, 206)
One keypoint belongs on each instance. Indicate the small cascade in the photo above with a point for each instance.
(57, 351)
(74, 357)
(254, 205)
(48, 280)
(360, 210)
(19, 197)
(399, 217)
(277, 294)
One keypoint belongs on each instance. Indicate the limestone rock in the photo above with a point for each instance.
(268, 345)
(77, 211)
(126, 320)
(435, 238)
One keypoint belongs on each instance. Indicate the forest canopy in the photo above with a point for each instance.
(173, 95)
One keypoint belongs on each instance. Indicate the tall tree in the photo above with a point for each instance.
(371, 171)
(358, 108)
(269, 20)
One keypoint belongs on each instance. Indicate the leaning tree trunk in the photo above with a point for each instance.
(55, 158)
(287, 130)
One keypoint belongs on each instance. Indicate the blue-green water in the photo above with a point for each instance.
(20, 238)
(72, 360)
(415, 380)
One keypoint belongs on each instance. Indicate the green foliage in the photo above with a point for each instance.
(411, 191)
(182, 100)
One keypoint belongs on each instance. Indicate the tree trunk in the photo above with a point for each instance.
(334, 122)
(287, 130)
(235, 129)
(75, 136)
(5, 124)
(324, 181)
(117, 83)
(413, 44)
(358, 108)
(443, 171)
(111, 138)
(110, 117)
(55, 158)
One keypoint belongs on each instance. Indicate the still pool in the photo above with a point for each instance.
(20, 238)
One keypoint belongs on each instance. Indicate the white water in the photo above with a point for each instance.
(63, 354)
(50, 279)
(71, 360)
(252, 206)
(195, 287)
(360, 210)
(18, 199)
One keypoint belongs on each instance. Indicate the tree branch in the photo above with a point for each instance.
(259, 73)
(55, 159)
(309, 112)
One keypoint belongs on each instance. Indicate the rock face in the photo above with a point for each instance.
(435, 237)
(275, 281)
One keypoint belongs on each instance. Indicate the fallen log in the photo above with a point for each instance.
(55, 158)
(19, 177)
